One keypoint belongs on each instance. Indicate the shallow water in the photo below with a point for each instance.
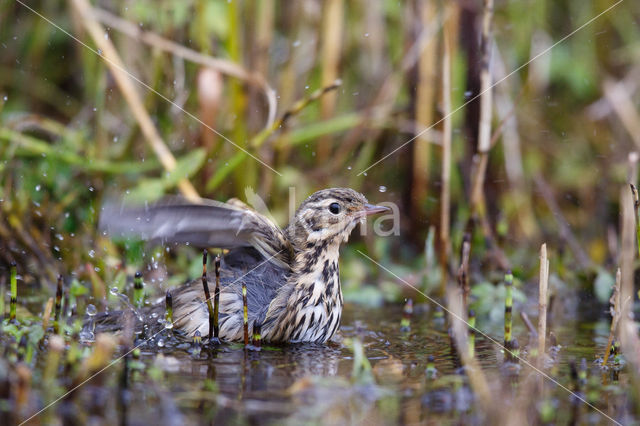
(314, 383)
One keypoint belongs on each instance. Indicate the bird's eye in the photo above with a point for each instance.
(334, 208)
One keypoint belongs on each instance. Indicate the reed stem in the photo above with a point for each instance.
(636, 210)
(472, 333)
(168, 301)
(216, 302)
(245, 309)
(14, 292)
(138, 290)
(207, 294)
(542, 301)
(56, 315)
(615, 310)
(257, 335)
(508, 307)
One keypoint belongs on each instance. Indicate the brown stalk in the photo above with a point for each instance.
(614, 310)
(627, 330)
(484, 128)
(463, 270)
(331, 44)
(426, 92)
(542, 302)
(445, 200)
(123, 80)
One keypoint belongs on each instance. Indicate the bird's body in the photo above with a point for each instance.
(291, 275)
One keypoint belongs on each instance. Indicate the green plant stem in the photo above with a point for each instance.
(14, 292)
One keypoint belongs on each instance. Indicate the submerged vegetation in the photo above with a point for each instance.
(507, 135)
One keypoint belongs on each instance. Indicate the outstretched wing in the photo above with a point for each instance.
(208, 224)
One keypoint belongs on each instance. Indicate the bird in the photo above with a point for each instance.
(291, 275)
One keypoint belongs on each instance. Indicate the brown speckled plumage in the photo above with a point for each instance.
(292, 275)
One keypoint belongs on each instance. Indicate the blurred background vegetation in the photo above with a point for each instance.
(562, 128)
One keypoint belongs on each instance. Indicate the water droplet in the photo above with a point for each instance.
(168, 325)
(99, 51)
(38, 187)
(91, 310)
(382, 188)
(92, 253)
(5, 98)
(349, 168)
(297, 43)
(160, 343)
(114, 291)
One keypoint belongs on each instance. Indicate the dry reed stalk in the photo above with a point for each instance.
(463, 270)
(332, 33)
(425, 98)
(614, 309)
(484, 128)
(628, 235)
(445, 195)
(627, 329)
(123, 80)
(542, 302)
(223, 66)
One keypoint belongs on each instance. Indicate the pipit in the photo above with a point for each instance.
(291, 275)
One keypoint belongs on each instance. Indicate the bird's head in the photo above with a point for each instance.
(328, 216)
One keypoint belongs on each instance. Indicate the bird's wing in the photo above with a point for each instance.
(208, 224)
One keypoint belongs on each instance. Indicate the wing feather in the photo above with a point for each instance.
(208, 224)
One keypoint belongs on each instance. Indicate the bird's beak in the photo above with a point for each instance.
(370, 209)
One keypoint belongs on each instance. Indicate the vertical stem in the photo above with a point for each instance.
(463, 271)
(425, 95)
(445, 201)
(257, 335)
(508, 309)
(472, 333)
(636, 210)
(14, 292)
(168, 300)
(484, 129)
(207, 295)
(542, 301)
(614, 309)
(56, 315)
(216, 301)
(332, 31)
(138, 294)
(245, 309)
